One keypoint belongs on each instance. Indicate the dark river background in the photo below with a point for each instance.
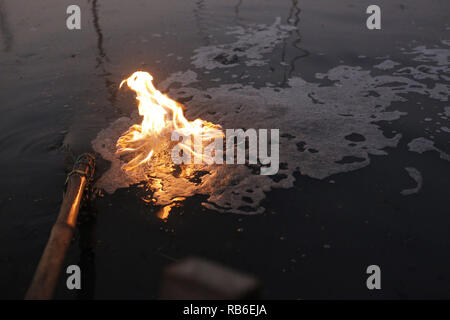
(59, 88)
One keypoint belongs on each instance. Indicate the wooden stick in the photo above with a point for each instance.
(47, 273)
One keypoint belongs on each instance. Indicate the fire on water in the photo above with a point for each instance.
(161, 116)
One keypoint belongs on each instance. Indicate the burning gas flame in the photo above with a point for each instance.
(160, 115)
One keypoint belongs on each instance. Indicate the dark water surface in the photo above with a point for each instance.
(59, 88)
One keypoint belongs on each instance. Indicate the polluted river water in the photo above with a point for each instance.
(364, 122)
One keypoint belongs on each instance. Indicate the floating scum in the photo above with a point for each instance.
(329, 124)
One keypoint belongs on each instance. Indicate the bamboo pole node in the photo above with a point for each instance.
(49, 268)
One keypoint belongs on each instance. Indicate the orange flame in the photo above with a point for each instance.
(160, 113)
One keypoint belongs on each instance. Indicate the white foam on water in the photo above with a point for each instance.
(386, 64)
(417, 177)
(252, 42)
(324, 129)
(421, 145)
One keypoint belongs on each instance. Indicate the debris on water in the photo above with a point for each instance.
(417, 177)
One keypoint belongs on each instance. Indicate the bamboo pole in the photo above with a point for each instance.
(49, 268)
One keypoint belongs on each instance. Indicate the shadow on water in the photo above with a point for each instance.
(4, 28)
(293, 19)
(102, 57)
